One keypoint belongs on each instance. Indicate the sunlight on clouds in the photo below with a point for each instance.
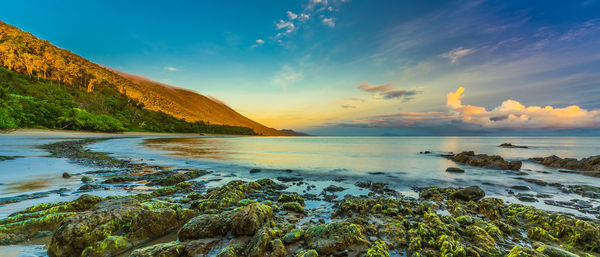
(514, 115)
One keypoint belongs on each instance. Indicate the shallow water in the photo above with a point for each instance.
(394, 160)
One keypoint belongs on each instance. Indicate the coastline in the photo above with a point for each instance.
(287, 221)
(79, 133)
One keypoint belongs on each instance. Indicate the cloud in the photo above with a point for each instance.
(260, 41)
(457, 53)
(292, 15)
(170, 68)
(329, 22)
(347, 106)
(582, 30)
(356, 99)
(514, 115)
(287, 25)
(387, 91)
(286, 77)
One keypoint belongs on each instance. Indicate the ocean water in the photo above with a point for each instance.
(320, 160)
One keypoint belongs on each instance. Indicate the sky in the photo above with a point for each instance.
(351, 67)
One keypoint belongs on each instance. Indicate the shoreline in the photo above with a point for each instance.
(288, 221)
(81, 133)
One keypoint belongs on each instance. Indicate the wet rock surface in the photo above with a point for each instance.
(590, 165)
(484, 160)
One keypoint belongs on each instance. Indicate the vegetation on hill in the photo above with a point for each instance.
(26, 103)
(59, 68)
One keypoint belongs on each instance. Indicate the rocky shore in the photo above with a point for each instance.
(589, 166)
(484, 160)
(182, 217)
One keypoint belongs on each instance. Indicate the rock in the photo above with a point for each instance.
(454, 169)
(509, 145)
(89, 187)
(333, 189)
(555, 252)
(293, 206)
(534, 181)
(86, 179)
(171, 249)
(66, 175)
(293, 236)
(522, 188)
(241, 221)
(255, 171)
(285, 198)
(35, 220)
(522, 251)
(472, 193)
(112, 226)
(526, 198)
(336, 237)
(290, 179)
(378, 249)
(590, 164)
(309, 253)
(485, 161)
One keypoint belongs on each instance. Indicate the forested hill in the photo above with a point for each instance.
(78, 87)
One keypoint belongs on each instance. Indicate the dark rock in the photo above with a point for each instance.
(526, 197)
(523, 188)
(289, 179)
(66, 175)
(333, 189)
(472, 193)
(252, 171)
(86, 179)
(485, 161)
(591, 165)
(534, 181)
(455, 170)
(509, 145)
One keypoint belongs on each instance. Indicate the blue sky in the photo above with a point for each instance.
(351, 67)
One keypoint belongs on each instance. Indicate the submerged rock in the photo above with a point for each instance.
(485, 161)
(66, 175)
(455, 170)
(510, 145)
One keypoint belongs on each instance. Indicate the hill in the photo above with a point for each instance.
(43, 62)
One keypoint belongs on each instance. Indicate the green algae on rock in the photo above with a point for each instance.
(378, 249)
(114, 225)
(335, 237)
(28, 223)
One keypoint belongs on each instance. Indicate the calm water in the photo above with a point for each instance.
(394, 160)
(318, 160)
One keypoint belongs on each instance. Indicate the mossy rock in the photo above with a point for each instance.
(103, 229)
(241, 221)
(335, 237)
(555, 251)
(171, 249)
(307, 253)
(522, 251)
(285, 198)
(293, 236)
(293, 206)
(378, 249)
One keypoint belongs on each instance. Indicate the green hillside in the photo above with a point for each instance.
(29, 102)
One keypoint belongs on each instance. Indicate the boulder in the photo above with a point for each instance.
(241, 221)
(455, 170)
(336, 237)
(112, 226)
(485, 161)
(472, 193)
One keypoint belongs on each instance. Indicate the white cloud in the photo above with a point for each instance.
(514, 115)
(292, 15)
(329, 22)
(304, 17)
(457, 53)
(260, 41)
(287, 25)
(170, 68)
